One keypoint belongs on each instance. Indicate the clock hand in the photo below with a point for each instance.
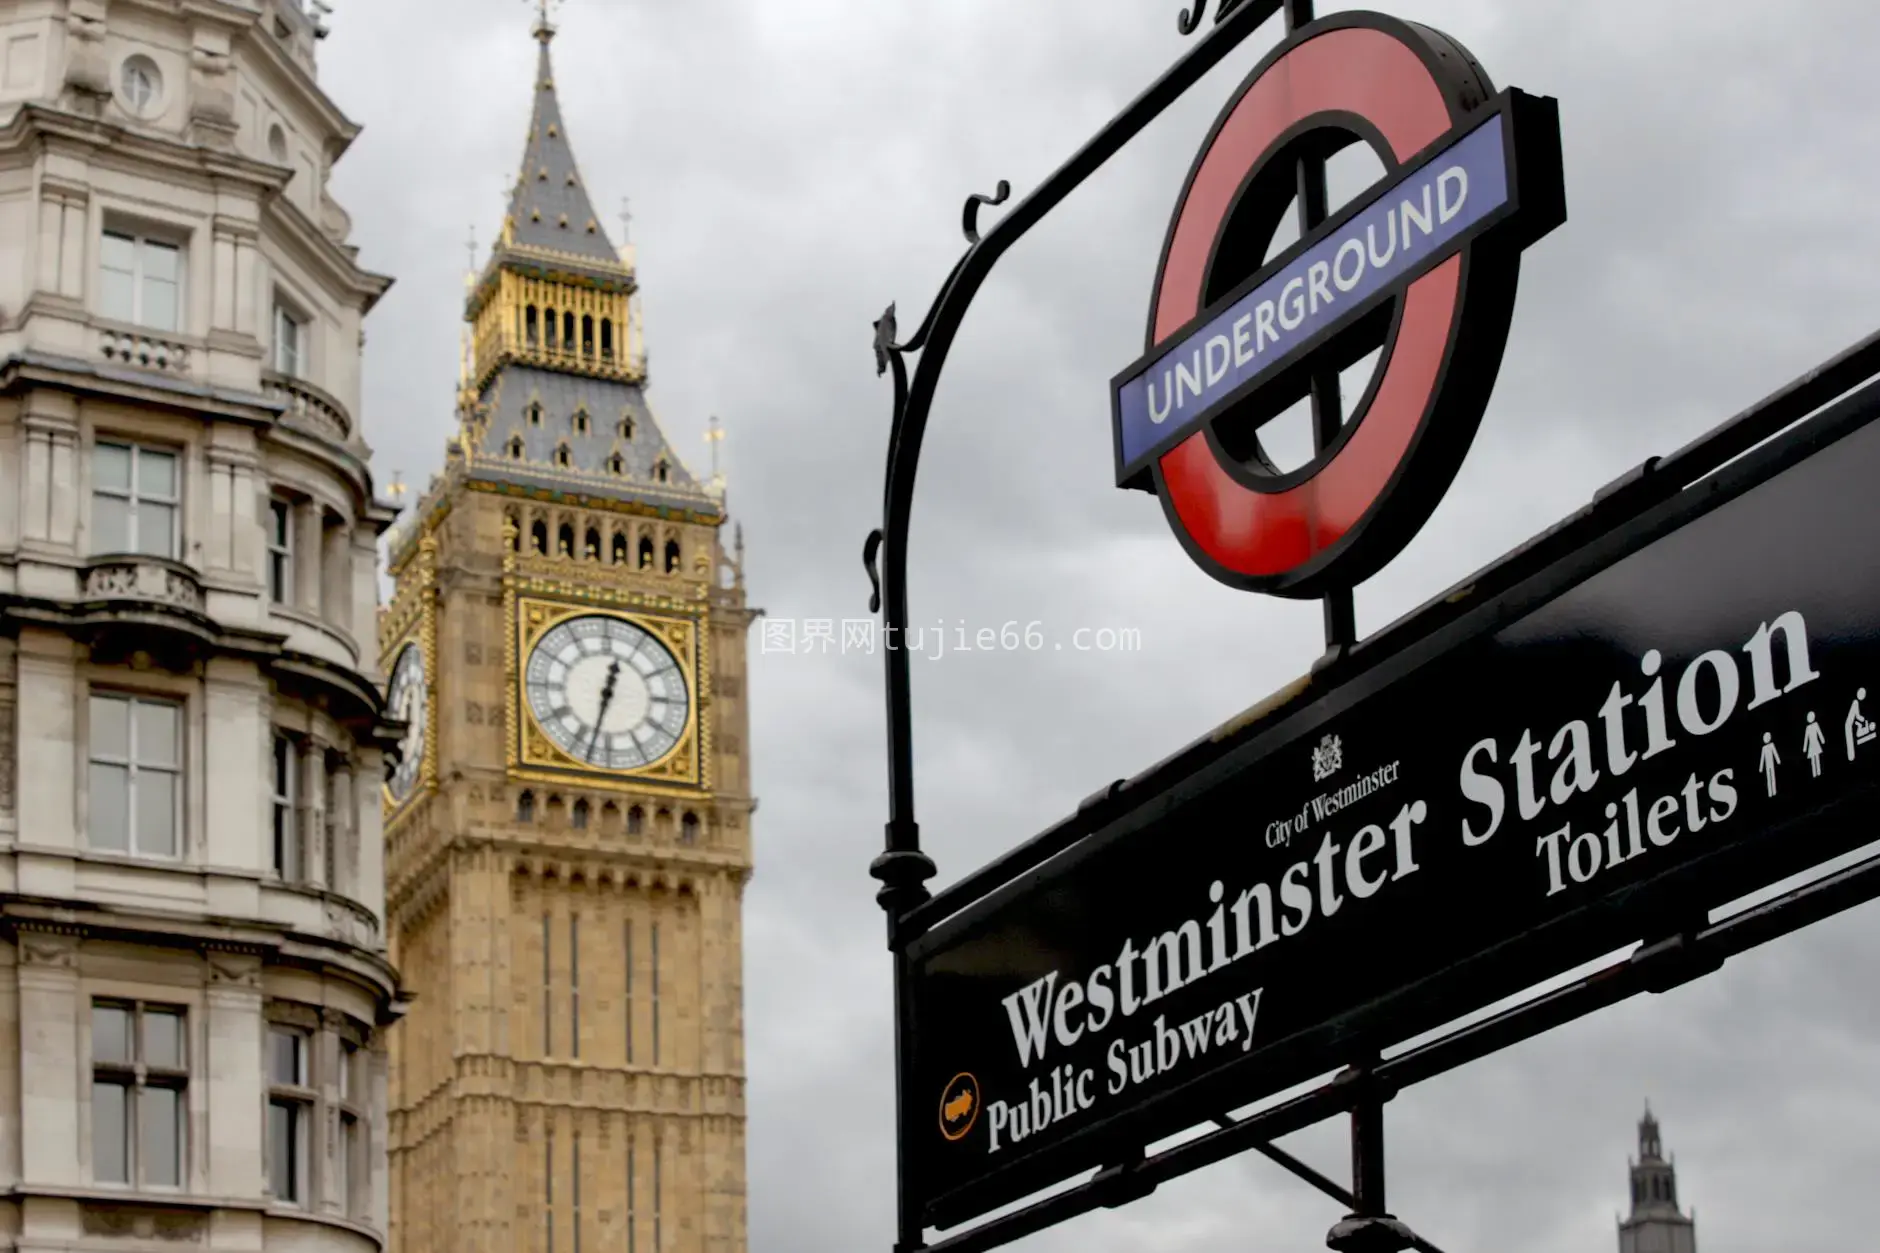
(607, 698)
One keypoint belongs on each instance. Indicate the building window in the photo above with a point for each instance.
(139, 1074)
(135, 790)
(286, 786)
(347, 1155)
(280, 551)
(141, 281)
(134, 498)
(632, 1215)
(290, 1114)
(574, 1190)
(659, 1240)
(290, 343)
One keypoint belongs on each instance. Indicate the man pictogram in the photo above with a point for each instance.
(1769, 760)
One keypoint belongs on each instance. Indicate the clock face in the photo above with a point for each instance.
(606, 692)
(405, 701)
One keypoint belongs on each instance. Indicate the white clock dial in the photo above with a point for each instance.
(606, 692)
(405, 701)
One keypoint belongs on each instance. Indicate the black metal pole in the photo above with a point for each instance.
(1341, 629)
(1369, 1228)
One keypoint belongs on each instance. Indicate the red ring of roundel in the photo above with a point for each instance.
(1268, 535)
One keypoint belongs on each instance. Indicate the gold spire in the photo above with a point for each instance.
(715, 435)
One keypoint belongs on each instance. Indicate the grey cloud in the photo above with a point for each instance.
(794, 166)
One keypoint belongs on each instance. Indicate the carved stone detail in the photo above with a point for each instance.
(48, 948)
(137, 578)
(239, 970)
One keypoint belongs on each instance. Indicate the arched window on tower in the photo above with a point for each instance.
(538, 537)
(636, 821)
(564, 546)
(587, 334)
(607, 339)
(672, 556)
(620, 549)
(646, 553)
(531, 322)
(525, 807)
(592, 549)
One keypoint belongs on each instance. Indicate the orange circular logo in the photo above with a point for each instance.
(959, 1106)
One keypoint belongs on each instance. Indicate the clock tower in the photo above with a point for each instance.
(568, 829)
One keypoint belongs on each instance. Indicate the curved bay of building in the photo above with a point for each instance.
(194, 983)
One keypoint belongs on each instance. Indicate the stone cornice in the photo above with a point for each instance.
(273, 945)
(334, 260)
(196, 399)
(121, 146)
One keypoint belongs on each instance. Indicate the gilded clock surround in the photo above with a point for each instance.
(534, 756)
(411, 618)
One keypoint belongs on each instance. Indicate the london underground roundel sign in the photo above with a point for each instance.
(1421, 268)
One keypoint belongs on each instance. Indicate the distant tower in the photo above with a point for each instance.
(1656, 1224)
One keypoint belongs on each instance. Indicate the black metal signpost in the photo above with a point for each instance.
(1669, 701)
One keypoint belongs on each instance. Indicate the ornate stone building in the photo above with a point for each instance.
(568, 840)
(1656, 1224)
(193, 980)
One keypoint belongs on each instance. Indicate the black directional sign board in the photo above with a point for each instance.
(1680, 713)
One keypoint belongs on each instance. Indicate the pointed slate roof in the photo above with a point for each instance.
(549, 208)
(565, 432)
(559, 426)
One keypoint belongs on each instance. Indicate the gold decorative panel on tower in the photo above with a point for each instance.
(568, 831)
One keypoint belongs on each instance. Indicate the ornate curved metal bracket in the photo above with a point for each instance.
(1188, 22)
(870, 548)
(969, 216)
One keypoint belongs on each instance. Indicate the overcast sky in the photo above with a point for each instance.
(794, 165)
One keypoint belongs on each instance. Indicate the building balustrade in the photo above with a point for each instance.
(145, 351)
(151, 580)
(308, 408)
